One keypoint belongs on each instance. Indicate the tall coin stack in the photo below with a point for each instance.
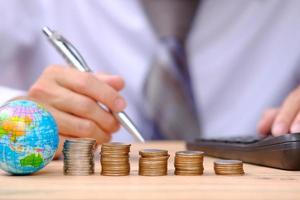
(189, 163)
(79, 156)
(115, 159)
(153, 162)
(228, 167)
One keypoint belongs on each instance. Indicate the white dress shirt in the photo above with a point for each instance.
(244, 55)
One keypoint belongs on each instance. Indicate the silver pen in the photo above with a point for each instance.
(73, 57)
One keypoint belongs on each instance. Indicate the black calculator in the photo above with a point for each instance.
(282, 152)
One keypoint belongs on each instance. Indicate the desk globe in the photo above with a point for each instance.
(28, 137)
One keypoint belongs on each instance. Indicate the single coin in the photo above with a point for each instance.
(188, 173)
(115, 174)
(110, 167)
(230, 173)
(189, 168)
(228, 162)
(188, 164)
(190, 153)
(228, 167)
(153, 174)
(81, 140)
(157, 158)
(153, 152)
(153, 162)
(188, 159)
(115, 144)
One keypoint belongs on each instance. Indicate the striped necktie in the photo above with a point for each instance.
(168, 93)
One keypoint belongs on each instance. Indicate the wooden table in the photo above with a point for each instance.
(257, 183)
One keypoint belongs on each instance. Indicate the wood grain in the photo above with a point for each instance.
(258, 183)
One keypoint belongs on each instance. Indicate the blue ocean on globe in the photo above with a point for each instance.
(28, 137)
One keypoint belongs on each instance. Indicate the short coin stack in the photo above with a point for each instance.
(79, 156)
(115, 159)
(228, 167)
(153, 162)
(189, 163)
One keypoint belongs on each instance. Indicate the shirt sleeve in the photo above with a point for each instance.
(7, 94)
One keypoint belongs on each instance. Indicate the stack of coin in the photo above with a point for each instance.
(189, 163)
(115, 159)
(228, 167)
(79, 156)
(153, 162)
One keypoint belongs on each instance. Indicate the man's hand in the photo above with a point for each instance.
(71, 96)
(285, 119)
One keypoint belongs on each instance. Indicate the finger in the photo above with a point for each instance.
(116, 82)
(286, 115)
(87, 84)
(295, 127)
(84, 107)
(265, 124)
(72, 126)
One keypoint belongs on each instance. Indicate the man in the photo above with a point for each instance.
(243, 55)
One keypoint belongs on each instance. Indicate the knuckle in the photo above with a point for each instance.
(37, 90)
(112, 124)
(84, 80)
(86, 106)
(116, 127)
(86, 128)
(109, 95)
(112, 96)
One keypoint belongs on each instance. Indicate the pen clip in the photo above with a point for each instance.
(75, 52)
(55, 37)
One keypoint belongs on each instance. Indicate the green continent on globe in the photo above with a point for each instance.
(32, 160)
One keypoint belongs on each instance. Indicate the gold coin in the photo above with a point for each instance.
(189, 153)
(188, 174)
(153, 152)
(153, 173)
(157, 158)
(188, 159)
(114, 174)
(228, 162)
